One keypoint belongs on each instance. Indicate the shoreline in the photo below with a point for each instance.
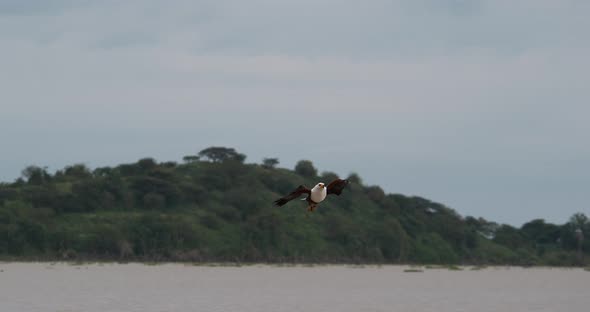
(406, 267)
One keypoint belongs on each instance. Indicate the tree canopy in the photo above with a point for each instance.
(305, 168)
(215, 207)
(221, 154)
(270, 163)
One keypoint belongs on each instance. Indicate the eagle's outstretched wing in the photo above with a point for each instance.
(336, 186)
(295, 194)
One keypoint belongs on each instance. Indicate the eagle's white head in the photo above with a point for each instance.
(320, 187)
(319, 192)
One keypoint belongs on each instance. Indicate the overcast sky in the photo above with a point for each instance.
(483, 106)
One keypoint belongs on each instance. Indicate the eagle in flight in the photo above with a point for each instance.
(315, 195)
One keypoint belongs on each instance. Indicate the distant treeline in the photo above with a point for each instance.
(216, 207)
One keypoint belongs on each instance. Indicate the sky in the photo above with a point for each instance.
(481, 105)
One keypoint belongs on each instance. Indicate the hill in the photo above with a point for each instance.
(216, 207)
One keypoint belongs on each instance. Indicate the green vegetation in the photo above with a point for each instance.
(214, 207)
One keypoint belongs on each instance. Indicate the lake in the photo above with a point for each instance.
(63, 287)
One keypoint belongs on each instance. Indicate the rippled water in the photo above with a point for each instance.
(29, 287)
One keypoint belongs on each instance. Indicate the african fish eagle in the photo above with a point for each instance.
(315, 195)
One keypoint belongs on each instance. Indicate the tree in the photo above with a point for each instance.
(77, 171)
(147, 164)
(540, 232)
(190, 159)
(36, 175)
(102, 172)
(305, 168)
(510, 237)
(221, 154)
(482, 226)
(579, 221)
(270, 163)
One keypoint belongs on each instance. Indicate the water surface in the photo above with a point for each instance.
(31, 287)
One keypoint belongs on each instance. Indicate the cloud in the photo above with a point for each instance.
(478, 104)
